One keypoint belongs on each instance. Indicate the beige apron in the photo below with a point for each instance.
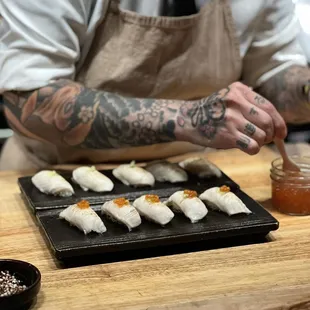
(142, 56)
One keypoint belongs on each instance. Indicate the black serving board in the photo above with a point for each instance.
(69, 243)
(39, 201)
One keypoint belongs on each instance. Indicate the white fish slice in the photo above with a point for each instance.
(188, 203)
(121, 211)
(221, 198)
(130, 174)
(83, 217)
(150, 207)
(200, 167)
(164, 171)
(51, 183)
(89, 178)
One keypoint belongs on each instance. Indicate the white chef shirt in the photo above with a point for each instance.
(302, 9)
(43, 40)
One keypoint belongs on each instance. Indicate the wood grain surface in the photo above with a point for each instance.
(271, 275)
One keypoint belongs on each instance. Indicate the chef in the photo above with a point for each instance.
(88, 81)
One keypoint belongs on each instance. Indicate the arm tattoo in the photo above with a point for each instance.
(286, 91)
(69, 114)
(206, 115)
(66, 113)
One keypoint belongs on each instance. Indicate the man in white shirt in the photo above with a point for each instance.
(103, 81)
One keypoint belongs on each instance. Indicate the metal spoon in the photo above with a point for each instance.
(288, 164)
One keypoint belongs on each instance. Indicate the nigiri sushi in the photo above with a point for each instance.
(121, 211)
(164, 171)
(130, 174)
(221, 198)
(51, 183)
(83, 217)
(200, 167)
(150, 207)
(89, 178)
(188, 203)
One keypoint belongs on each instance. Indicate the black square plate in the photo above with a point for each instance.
(67, 241)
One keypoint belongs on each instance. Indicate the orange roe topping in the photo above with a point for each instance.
(225, 189)
(190, 194)
(121, 202)
(83, 204)
(152, 198)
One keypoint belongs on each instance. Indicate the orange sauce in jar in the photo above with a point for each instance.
(291, 190)
(291, 199)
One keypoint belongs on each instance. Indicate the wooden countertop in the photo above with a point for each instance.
(272, 275)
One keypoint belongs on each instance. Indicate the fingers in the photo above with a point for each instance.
(246, 144)
(253, 132)
(262, 103)
(252, 115)
(259, 118)
(265, 105)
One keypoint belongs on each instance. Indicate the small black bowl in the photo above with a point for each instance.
(29, 275)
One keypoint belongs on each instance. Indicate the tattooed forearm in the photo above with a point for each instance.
(286, 91)
(66, 113)
(69, 114)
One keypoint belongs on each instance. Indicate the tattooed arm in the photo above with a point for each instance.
(66, 113)
(69, 114)
(289, 92)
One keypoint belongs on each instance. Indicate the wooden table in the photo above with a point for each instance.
(272, 275)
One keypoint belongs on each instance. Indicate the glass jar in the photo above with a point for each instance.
(291, 189)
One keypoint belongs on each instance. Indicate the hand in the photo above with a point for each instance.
(234, 117)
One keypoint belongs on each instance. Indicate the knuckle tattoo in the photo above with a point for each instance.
(249, 129)
(243, 143)
(259, 100)
(253, 111)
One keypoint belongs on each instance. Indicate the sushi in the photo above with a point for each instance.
(189, 204)
(51, 183)
(130, 174)
(150, 207)
(121, 211)
(89, 178)
(221, 198)
(164, 171)
(83, 217)
(200, 167)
